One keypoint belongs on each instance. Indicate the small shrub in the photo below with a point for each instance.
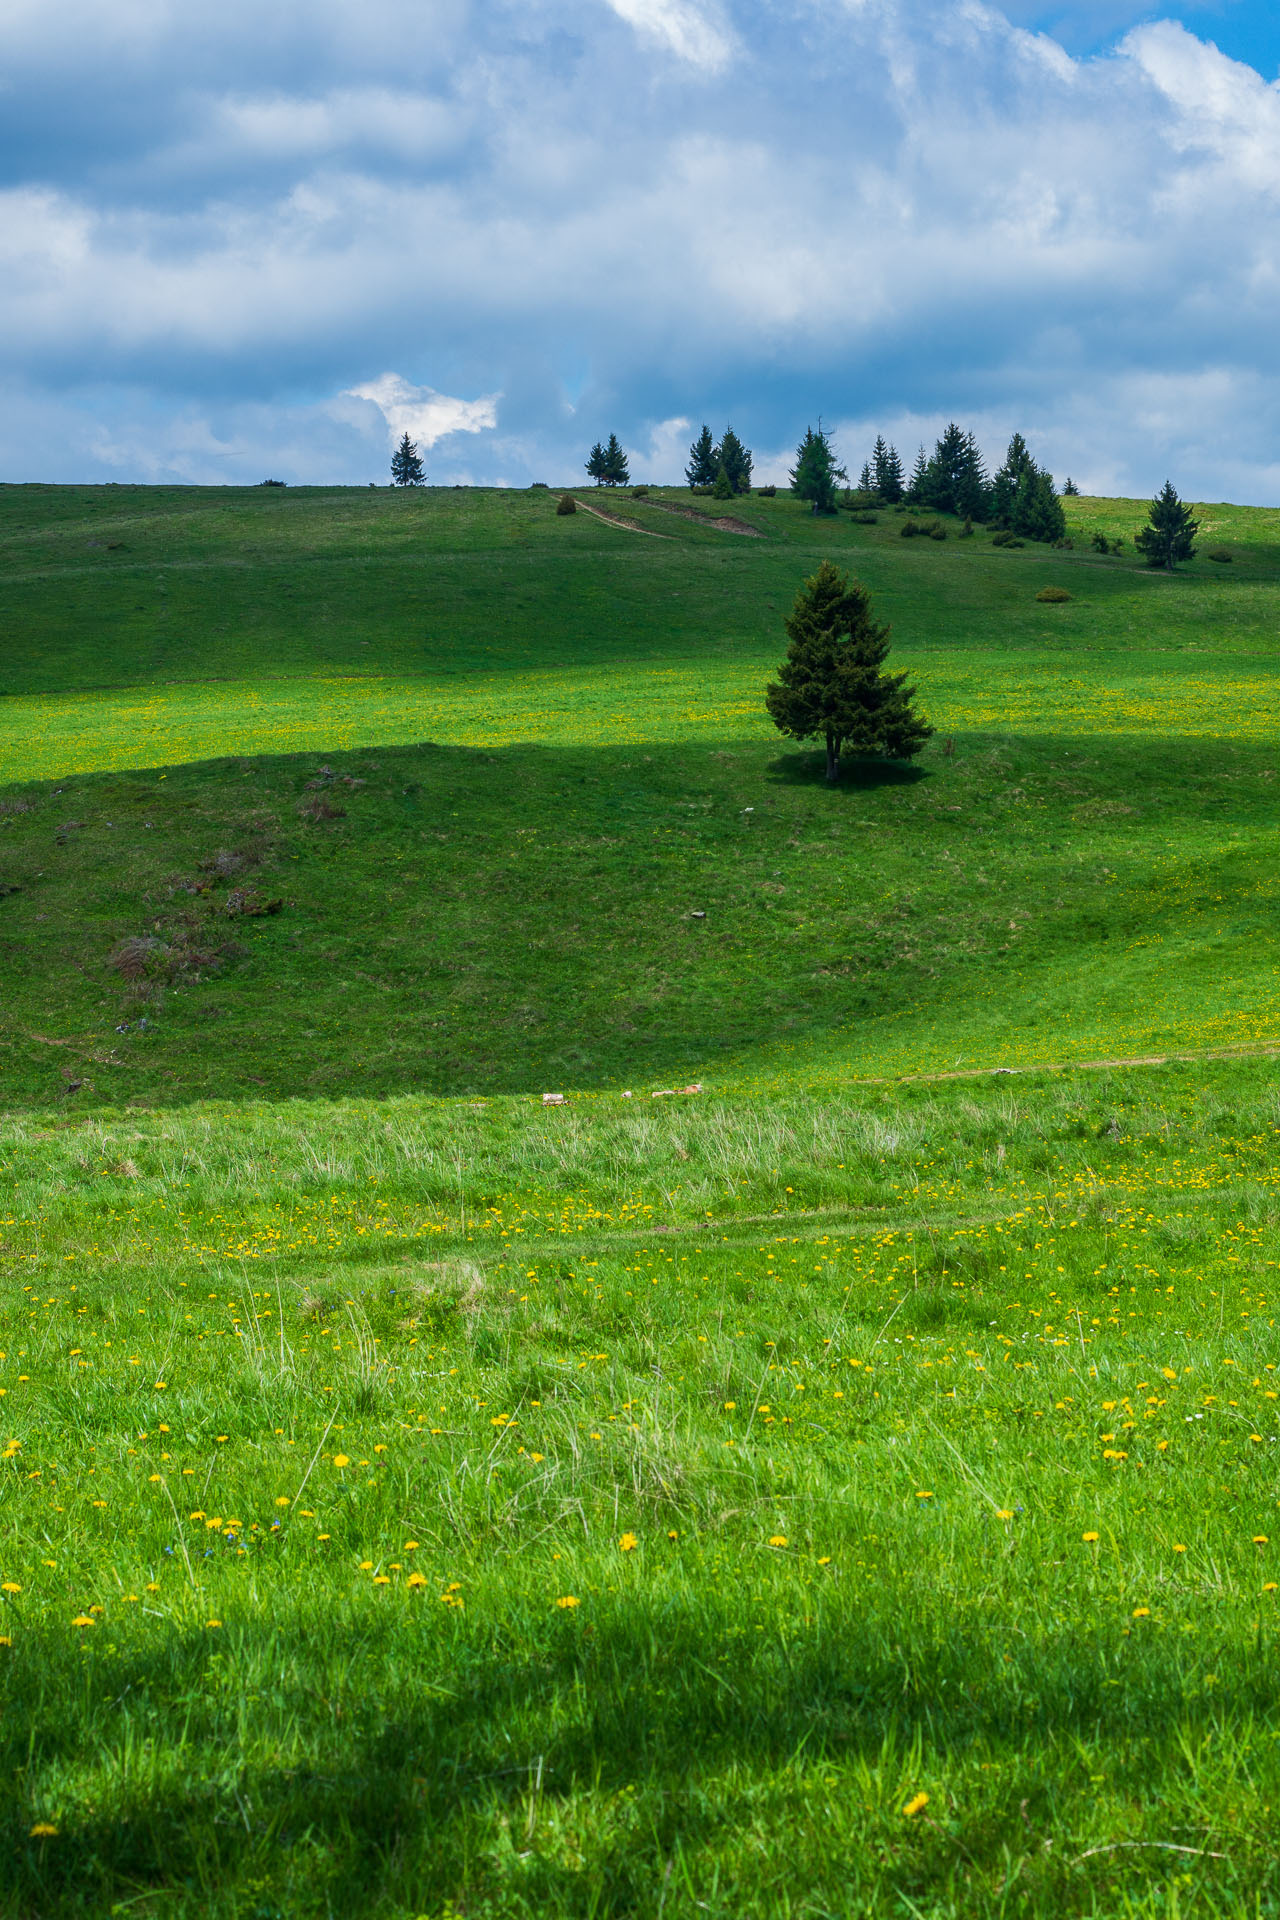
(1221, 555)
(966, 531)
(865, 519)
(639, 493)
(538, 483)
(1064, 546)
(909, 529)
(1053, 596)
(273, 483)
(861, 499)
(566, 504)
(321, 809)
(766, 493)
(937, 531)
(1006, 539)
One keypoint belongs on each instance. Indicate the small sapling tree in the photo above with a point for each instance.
(830, 685)
(814, 476)
(1169, 535)
(406, 465)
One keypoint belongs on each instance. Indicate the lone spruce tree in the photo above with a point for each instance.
(406, 465)
(703, 464)
(596, 464)
(830, 685)
(1169, 535)
(814, 476)
(735, 460)
(886, 472)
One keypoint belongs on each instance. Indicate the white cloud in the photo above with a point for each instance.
(425, 415)
(692, 33)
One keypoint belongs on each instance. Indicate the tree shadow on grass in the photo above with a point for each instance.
(428, 1783)
(859, 772)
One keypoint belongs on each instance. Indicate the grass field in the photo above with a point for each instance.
(844, 1490)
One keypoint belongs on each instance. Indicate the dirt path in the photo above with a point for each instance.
(723, 523)
(616, 520)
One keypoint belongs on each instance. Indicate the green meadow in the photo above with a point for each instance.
(820, 1466)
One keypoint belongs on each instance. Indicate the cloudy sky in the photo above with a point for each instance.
(240, 239)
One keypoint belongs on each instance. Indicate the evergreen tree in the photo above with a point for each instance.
(886, 470)
(703, 465)
(1170, 532)
(736, 461)
(954, 479)
(865, 483)
(406, 465)
(723, 488)
(1022, 497)
(830, 683)
(1070, 491)
(596, 464)
(615, 464)
(815, 473)
(915, 493)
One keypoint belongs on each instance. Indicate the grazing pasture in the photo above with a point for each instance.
(842, 1485)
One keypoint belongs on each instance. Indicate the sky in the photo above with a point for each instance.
(241, 241)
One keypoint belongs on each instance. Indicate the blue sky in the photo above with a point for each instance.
(239, 240)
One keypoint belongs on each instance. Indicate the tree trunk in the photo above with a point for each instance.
(833, 759)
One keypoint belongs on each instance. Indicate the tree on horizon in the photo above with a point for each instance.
(1169, 535)
(406, 465)
(814, 476)
(703, 462)
(886, 472)
(830, 684)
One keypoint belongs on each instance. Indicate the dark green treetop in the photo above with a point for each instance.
(1169, 535)
(814, 476)
(616, 473)
(954, 479)
(406, 465)
(596, 463)
(886, 472)
(736, 461)
(830, 684)
(1023, 498)
(703, 464)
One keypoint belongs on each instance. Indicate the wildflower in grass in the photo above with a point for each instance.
(824, 1560)
(1178, 1547)
(1089, 1537)
(42, 1830)
(777, 1539)
(342, 1460)
(628, 1543)
(153, 1586)
(324, 1536)
(221, 1437)
(410, 1546)
(366, 1566)
(416, 1580)
(213, 1623)
(1269, 1586)
(673, 1533)
(282, 1500)
(923, 1493)
(568, 1600)
(729, 1405)
(382, 1579)
(1004, 1513)
(1259, 1539)
(84, 1620)
(537, 1457)
(916, 1804)
(5, 1641)
(197, 1515)
(1141, 1613)
(10, 1586)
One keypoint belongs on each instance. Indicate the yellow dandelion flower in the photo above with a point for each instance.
(382, 1579)
(342, 1459)
(1268, 1586)
(83, 1620)
(777, 1539)
(1141, 1613)
(628, 1543)
(1259, 1539)
(366, 1566)
(213, 1623)
(43, 1831)
(416, 1580)
(5, 1641)
(10, 1586)
(923, 1493)
(568, 1600)
(1089, 1537)
(282, 1500)
(1004, 1513)
(916, 1804)
(1178, 1547)
(410, 1546)
(537, 1457)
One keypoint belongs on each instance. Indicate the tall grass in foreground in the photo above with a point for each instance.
(826, 1508)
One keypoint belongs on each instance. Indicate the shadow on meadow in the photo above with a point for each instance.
(528, 1768)
(452, 921)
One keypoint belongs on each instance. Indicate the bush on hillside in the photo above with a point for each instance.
(566, 504)
(766, 493)
(1053, 596)
(1221, 555)
(1006, 540)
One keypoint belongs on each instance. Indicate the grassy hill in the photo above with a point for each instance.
(828, 1493)
(1081, 864)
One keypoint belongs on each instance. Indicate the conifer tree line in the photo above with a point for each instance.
(1021, 498)
(725, 468)
(607, 465)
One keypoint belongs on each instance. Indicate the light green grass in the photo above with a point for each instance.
(862, 1380)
